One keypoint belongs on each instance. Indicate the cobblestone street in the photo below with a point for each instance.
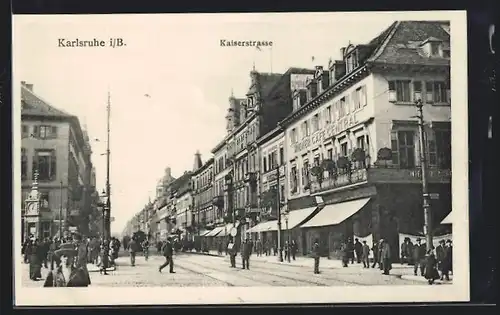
(207, 270)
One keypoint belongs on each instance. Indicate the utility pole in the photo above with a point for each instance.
(60, 210)
(423, 165)
(107, 213)
(278, 207)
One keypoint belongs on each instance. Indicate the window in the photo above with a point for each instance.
(45, 163)
(399, 91)
(342, 107)
(305, 129)
(24, 131)
(443, 146)
(329, 154)
(316, 160)
(360, 142)
(352, 61)
(44, 196)
(313, 90)
(296, 102)
(446, 53)
(264, 164)
(305, 173)
(293, 135)
(282, 193)
(328, 115)
(417, 90)
(403, 148)
(436, 92)
(293, 179)
(45, 132)
(282, 156)
(315, 123)
(46, 229)
(434, 48)
(24, 164)
(343, 149)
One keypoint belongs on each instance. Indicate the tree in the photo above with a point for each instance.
(384, 154)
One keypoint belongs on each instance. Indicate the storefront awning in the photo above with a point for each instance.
(204, 232)
(295, 218)
(336, 213)
(264, 227)
(214, 232)
(447, 220)
(227, 229)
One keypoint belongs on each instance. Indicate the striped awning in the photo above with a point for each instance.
(447, 220)
(214, 232)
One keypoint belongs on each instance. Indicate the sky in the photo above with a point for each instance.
(178, 62)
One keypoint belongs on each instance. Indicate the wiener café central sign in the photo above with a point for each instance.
(330, 130)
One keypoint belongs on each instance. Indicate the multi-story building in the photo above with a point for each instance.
(184, 208)
(203, 194)
(352, 142)
(56, 150)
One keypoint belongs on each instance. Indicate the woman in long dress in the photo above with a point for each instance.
(35, 261)
(431, 273)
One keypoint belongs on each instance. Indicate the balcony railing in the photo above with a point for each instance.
(250, 177)
(379, 175)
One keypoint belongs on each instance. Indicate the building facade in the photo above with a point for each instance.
(353, 141)
(203, 193)
(56, 150)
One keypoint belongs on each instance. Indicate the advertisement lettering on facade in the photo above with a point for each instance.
(330, 130)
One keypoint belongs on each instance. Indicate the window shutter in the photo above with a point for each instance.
(429, 89)
(392, 91)
(364, 100)
(348, 104)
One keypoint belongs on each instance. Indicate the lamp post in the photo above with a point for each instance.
(423, 165)
(278, 208)
(60, 209)
(288, 234)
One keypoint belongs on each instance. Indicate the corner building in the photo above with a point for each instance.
(352, 142)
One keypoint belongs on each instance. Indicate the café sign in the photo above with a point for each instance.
(330, 130)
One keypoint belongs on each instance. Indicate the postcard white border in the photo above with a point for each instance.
(458, 291)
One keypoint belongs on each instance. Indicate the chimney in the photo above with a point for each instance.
(342, 52)
(197, 161)
(29, 87)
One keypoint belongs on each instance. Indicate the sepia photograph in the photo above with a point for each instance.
(240, 158)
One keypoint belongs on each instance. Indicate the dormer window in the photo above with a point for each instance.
(433, 47)
(352, 61)
(312, 89)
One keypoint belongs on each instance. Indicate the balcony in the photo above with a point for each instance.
(374, 175)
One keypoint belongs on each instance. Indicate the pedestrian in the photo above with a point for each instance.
(35, 260)
(431, 272)
(246, 251)
(259, 247)
(219, 247)
(365, 249)
(376, 256)
(232, 253)
(45, 252)
(132, 249)
(286, 249)
(404, 251)
(104, 264)
(380, 260)
(447, 263)
(293, 248)
(145, 248)
(50, 255)
(266, 248)
(350, 250)
(409, 251)
(419, 257)
(26, 250)
(358, 249)
(345, 254)
(66, 274)
(386, 257)
(440, 255)
(81, 260)
(168, 253)
(275, 249)
(316, 255)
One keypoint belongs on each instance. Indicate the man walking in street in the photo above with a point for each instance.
(440, 254)
(145, 249)
(231, 248)
(419, 252)
(315, 254)
(293, 249)
(358, 249)
(168, 253)
(246, 251)
(132, 249)
(365, 255)
(385, 257)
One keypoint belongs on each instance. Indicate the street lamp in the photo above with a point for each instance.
(285, 215)
(423, 165)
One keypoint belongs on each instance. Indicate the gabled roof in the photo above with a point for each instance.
(34, 105)
(402, 43)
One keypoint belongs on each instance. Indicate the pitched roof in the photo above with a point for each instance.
(402, 43)
(34, 105)
(267, 81)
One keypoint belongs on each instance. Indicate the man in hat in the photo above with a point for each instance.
(316, 254)
(419, 253)
(246, 251)
(366, 255)
(231, 248)
(440, 254)
(168, 253)
(132, 249)
(447, 263)
(81, 256)
(385, 257)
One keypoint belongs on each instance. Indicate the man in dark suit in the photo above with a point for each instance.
(316, 254)
(168, 252)
(419, 253)
(246, 251)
